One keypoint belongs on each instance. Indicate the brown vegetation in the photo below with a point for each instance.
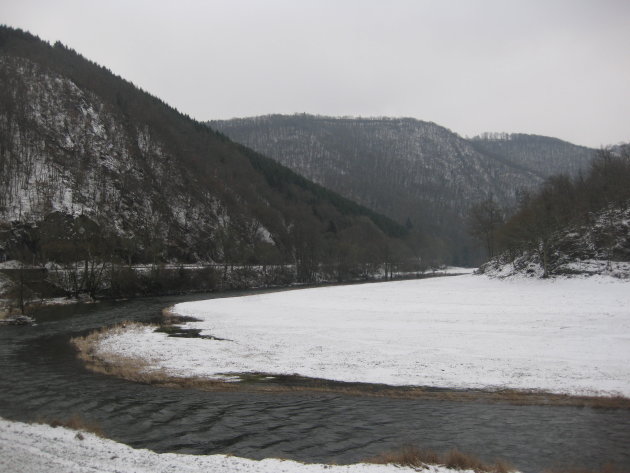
(76, 422)
(133, 369)
(607, 468)
(139, 370)
(417, 458)
(171, 318)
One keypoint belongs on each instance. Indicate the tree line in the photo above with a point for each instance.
(95, 173)
(562, 202)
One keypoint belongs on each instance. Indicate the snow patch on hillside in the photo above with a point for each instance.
(528, 265)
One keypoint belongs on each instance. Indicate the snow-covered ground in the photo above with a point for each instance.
(561, 335)
(455, 270)
(36, 448)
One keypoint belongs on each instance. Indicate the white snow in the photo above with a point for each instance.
(35, 448)
(455, 270)
(561, 335)
(617, 269)
(13, 264)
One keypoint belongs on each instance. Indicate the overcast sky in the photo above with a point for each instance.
(552, 67)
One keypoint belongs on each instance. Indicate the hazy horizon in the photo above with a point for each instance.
(557, 68)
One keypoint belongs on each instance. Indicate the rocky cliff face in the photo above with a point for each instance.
(65, 150)
(86, 157)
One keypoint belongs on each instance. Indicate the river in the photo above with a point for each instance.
(40, 378)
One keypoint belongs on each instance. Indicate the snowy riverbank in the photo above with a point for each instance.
(34, 448)
(567, 336)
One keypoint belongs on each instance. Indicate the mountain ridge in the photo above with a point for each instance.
(92, 165)
(410, 170)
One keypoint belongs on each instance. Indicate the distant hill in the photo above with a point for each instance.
(91, 166)
(416, 172)
(541, 155)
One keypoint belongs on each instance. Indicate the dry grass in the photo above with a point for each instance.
(133, 369)
(171, 318)
(534, 397)
(607, 468)
(168, 312)
(88, 344)
(76, 422)
(417, 458)
(407, 456)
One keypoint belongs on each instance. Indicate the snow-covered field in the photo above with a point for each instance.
(562, 335)
(37, 448)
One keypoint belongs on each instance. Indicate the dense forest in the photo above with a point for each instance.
(543, 156)
(96, 174)
(569, 225)
(418, 173)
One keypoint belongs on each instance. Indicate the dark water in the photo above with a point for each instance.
(40, 378)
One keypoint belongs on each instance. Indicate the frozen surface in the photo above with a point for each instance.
(562, 335)
(36, 448)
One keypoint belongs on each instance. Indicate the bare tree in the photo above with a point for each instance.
(484, 220)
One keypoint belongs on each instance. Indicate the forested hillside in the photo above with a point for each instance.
(577, 225)
(94, 170)
(540, 155)
(418, 173)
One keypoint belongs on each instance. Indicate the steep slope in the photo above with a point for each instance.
(91, 164)
(541, 155)
(599, 246)
(413, 171)
(572, 226)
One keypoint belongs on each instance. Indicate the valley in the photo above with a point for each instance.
(277, 293)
